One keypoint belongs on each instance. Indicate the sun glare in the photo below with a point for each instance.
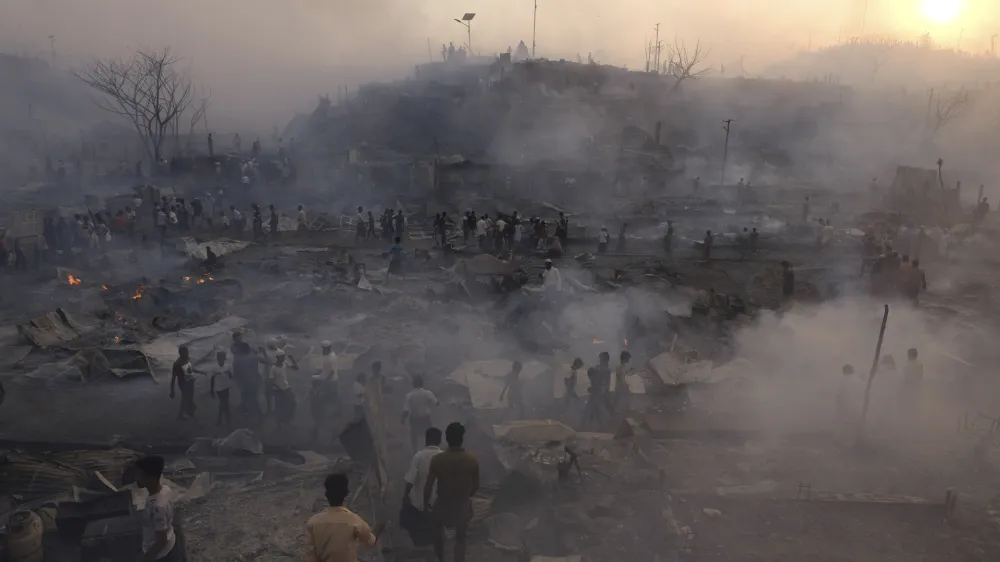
(941, 11)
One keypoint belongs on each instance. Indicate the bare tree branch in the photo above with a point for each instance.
(949, 107)
(145, 89)
(683, 64)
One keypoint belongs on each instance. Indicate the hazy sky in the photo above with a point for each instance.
(256, 51)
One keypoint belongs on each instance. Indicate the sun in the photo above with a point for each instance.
(941, 11)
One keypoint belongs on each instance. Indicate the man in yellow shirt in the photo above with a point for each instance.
(334, 534)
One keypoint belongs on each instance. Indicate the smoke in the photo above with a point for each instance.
(795, 364)
(268, 59)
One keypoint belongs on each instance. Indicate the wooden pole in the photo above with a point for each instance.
(871, 374)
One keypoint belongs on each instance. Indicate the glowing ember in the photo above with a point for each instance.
(104, 287)
(73, 280)
(200, 281)
(597, 341)
(117, 339)
(138, 292)
(187, 277)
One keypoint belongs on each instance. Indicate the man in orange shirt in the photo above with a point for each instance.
(334, 534)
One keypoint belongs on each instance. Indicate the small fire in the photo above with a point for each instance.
(104, 287)
(200, 281)
(205, 278)
(597, 341)
(73, 280)
(117, 339)
(138, 292)
(625, 341)
(187, 277)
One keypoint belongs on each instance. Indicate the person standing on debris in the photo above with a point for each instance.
(360, 228)
(273, 219)
(571, 399)
(258, 222)
(551, 278)
(706, 246)
(517, 234)
(182, 376)
(909, 390)
(501, 235)
(284, 398)
(562, 229)
(219, 385)
(481, 232)
(603, 237)
(455, 473)
(621, 238)
(418, 405)
(395, 260)
(334, 534)
(160, 540)
(668, 239)
(805, 210)
(515, 222)
(239, 221)
(787, 281)
(400, 223)
(303, 223)
(414, 516)
(604, 380)
(512, 389)
(247, 376)
(371, 226)
(752, 242)
(622, 393)
(324, 391)
(843, 391)
(384, 222)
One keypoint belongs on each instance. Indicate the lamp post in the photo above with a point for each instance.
(467, 22)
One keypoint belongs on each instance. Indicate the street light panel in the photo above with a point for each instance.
(468, 17)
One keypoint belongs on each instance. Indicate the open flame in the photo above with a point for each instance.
(72, 280)
(104, 287)
(597, 341)
(205, 278)
(187, 277)
(138, 292)
(117, 339)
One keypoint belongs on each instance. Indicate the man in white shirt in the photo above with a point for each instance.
(418, 405)
(159, 540)
(551, 278)
(481, 232)
(303, 224)
(328, 365)
(415, 515)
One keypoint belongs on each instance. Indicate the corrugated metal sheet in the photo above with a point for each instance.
(38, 476)
(35, 477)
(56, 328)
(110, 463)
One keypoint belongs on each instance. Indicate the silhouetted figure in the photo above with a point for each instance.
(211, 146)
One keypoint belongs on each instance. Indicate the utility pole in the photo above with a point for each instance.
(864, 19)
(871, 375)
(657, 28)
(534, 25)
(725, 152)
(52, 49)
